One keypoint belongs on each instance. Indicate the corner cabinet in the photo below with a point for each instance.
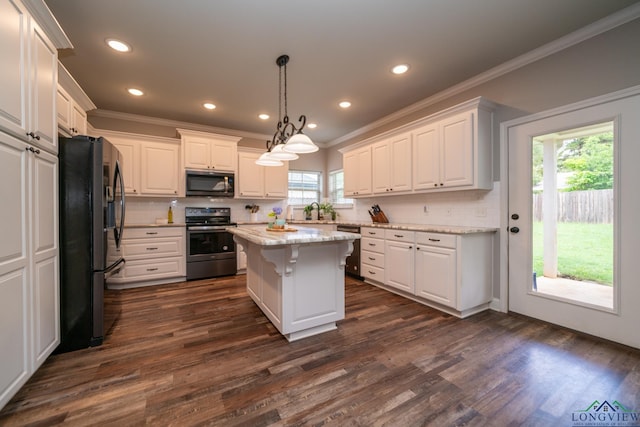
(260, 182)
(72, 119)
(150, 165)
(208, 151)
(29, 79)
(72, 104)
(450, 272)
(455, 152)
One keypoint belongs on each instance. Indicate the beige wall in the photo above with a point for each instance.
(603, 64)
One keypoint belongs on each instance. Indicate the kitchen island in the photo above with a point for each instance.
(296, 277)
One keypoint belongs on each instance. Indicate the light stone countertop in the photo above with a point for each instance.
(174, 224)
(261, 236)
(446, 229)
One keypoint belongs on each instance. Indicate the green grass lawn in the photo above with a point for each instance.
(585, 251)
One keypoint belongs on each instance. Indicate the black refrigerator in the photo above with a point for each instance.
(92, 207)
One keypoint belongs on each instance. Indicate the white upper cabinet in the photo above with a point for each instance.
(357, 172)
(150, 165)
(455, 152)
(255, 181)
(72, 119)
(391, 162)
(209, 151)
(449, 150)
(29, 78)
(159, 168)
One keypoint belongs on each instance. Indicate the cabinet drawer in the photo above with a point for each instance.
(373, 245)
(152, 248)
(145, 270)
(400, 235)
(374, 273)
(147, 232)
(377, 233)
(436, 239)
(372, 259)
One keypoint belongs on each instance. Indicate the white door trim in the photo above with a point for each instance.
(502, 304)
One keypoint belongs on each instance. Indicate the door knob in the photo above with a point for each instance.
(514, 230)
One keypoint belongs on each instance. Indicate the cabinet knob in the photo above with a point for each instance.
(441, 184)
(435, 185)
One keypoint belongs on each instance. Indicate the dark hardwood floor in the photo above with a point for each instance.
(202, 353)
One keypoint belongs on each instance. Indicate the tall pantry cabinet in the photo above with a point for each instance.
(29, 278)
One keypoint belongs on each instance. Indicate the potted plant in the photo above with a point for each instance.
(307, 212)
(327, 208)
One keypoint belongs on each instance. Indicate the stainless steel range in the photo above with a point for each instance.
(211, 251)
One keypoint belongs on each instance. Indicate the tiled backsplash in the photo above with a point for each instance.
(465, 208)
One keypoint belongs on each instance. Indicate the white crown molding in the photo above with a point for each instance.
(43, 16)
(598, 27)
(108, 114)
(68, 83)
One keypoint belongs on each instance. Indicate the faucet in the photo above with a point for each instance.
(318, 208)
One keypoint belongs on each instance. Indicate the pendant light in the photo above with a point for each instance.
(287, 139)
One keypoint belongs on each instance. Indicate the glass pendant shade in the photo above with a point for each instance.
(278, 153)
(266, 160)
(300, 143)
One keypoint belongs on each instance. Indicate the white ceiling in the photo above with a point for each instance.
(224, 51)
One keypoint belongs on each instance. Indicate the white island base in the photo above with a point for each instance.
(298, 286)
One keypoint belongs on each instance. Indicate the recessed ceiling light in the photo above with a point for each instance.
(209, 106)
(312, 125)
(263, 116)
(344, 104)
(118, 45)
(135, 92)
(400, 69)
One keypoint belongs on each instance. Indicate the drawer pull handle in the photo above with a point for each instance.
(372, 258)
(399, 235)
(152, 232)
(372, 233)
(152, 269)
(373, 273)
(434, 240)
(372, 244)
(152, 249)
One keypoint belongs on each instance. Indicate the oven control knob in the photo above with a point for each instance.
(225, 247)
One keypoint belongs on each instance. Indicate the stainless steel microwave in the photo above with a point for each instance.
(209, 184)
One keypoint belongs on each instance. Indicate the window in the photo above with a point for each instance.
(304, 187)
(336, 188)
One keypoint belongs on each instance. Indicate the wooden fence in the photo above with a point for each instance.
(593, 206)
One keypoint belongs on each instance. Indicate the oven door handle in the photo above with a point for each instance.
(207, 228)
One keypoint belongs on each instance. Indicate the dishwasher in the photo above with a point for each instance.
(352, 266)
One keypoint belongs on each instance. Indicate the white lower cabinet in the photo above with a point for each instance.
(372, 253)
(450, 272)
(399, 259)
(436, 269)
(153, 255)
(29, 272)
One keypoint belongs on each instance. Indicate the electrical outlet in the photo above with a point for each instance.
(448, 211)
(425, 209)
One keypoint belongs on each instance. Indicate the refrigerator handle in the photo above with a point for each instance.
(119, 180)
